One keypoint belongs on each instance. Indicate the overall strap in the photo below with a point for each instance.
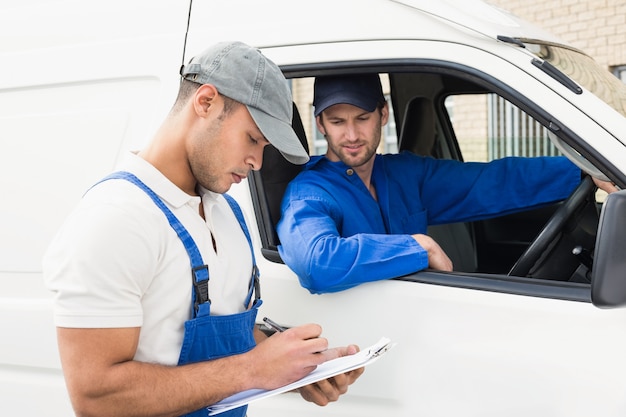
(199, 270)
(254, 279)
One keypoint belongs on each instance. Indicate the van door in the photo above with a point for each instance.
(469, 343)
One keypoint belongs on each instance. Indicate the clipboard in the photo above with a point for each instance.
(326, 370)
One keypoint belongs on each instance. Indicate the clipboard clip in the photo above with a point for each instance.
(378, 352)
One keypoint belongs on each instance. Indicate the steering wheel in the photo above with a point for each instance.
(552, 228)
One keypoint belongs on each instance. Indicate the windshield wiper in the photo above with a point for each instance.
(514, 41)
(555, 73)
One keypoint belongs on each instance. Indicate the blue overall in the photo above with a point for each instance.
(209, 337)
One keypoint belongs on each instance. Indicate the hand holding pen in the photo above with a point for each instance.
(325, 391)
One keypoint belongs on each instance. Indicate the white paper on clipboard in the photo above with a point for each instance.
(323, 371)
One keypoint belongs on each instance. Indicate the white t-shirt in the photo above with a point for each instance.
(116, 262)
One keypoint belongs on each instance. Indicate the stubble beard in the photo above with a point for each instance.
(205, 163)
(366, 153)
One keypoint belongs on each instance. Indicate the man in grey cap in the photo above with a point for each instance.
(156, 286)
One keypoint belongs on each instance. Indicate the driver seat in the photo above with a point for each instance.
(418, 135)
(268, 186)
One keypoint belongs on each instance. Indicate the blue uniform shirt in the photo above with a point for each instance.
(334, 235)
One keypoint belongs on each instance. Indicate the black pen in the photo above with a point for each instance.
(273, 325)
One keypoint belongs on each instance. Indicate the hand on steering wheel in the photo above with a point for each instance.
(553, 227)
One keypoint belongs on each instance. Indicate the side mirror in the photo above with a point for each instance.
(608, 277)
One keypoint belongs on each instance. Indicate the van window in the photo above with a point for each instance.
(452, 115)
(489, 127)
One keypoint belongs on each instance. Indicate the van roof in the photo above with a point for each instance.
(290, 23)
(482, 17)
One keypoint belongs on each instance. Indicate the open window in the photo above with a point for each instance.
(446, 113)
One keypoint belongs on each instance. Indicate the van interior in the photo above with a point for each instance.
(447, 113)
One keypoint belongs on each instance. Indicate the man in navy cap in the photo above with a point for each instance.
(354, 216)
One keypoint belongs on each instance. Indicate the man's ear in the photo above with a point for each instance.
(205, 97)
(384, 114)
(320, 125)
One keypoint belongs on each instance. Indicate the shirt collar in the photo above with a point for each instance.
(159, 183)
(319, 160)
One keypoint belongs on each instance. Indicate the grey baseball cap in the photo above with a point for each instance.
(244, 74)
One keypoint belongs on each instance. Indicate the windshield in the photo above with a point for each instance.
(585, 71)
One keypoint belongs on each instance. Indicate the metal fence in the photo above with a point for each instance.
(512, 132)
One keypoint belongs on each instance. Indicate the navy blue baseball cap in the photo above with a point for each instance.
(363, 90)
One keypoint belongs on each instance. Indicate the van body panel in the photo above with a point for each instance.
(80, 83)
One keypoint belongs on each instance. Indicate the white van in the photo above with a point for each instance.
(522, 327)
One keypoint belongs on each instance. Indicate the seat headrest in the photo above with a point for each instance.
(274, 176)
(418, 127)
